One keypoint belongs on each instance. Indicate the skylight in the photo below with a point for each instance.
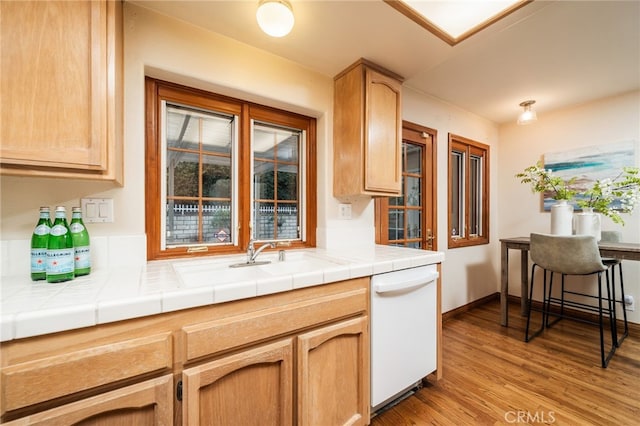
(455, 20)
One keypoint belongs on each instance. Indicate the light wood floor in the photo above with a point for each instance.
(492, 377)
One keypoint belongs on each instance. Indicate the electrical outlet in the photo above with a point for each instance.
(629, 303)
(344, 211)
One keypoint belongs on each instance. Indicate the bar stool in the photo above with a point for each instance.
(616, 237)
(570, 255)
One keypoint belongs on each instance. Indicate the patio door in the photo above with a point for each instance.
(409, 220)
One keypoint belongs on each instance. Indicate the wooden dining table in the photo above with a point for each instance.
(622, 251)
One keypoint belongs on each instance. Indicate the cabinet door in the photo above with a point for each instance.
(333, 374)
(252, 387)
(59, 112)
(382, 133)
(147, 403)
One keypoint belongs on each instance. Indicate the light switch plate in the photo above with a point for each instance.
(97, 210)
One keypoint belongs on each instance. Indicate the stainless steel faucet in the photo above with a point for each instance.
(252, 253)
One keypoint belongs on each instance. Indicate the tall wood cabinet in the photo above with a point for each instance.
(367, 131)
(61, 84)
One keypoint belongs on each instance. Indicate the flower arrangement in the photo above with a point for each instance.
(610, 196)
(543, 180)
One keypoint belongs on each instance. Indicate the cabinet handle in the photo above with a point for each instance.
(179, 390)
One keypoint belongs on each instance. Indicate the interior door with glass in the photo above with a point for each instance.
(409, 220)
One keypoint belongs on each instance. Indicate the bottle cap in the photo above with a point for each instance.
(76, 209)
(60, 209)
(44, 209)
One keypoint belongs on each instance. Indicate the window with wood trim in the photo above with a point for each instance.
(221, 171)
(409, 220)
(468, 192)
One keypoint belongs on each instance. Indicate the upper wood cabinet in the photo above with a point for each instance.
(367, 126)
(61, 83)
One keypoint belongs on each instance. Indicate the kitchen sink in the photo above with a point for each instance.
(222, 270)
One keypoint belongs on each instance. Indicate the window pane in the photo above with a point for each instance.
(414, 158)
(264, 215)
(457, 193)
(263, 185)
(182, 174)
(182, 222)
(413, 191)
(288, 148)
(414, 223)
(271, 142)
(287, 182)
(217, 222)
(475, 195)
(216, 177)
(288, 222)
(396, 224)
(188, 128)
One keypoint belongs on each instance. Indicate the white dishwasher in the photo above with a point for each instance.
(403, 331)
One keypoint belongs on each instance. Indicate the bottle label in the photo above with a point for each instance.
(76, 227)
(58, 230)
(38, 260)
(42, 229)
(82, 257)
(60, 261)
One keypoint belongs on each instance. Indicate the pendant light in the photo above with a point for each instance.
(528, 115)
(275, 17)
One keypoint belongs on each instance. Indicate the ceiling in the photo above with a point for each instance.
(560, 53)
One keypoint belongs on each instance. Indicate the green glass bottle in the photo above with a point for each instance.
(81, 245)
(60, 256)
(39, 241)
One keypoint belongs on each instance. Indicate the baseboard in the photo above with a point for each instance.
(633, 327)
(464, 308)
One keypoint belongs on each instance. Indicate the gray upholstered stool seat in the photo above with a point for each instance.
(571, 255)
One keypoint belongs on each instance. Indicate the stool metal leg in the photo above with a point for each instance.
(624, 310)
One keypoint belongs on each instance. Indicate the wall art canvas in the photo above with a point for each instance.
(591, 163)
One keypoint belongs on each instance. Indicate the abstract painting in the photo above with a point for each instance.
(591, 163)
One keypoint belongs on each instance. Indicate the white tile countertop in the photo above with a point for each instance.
(31, 308)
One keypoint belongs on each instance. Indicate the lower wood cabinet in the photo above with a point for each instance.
(149, 403)
(294, 358)
(252, 387)
(333, 374)
(257, 386)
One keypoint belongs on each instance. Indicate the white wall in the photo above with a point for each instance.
(606, 121)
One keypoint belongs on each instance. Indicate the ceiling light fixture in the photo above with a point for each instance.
(275, 17)
(454, 21)
(527, 116)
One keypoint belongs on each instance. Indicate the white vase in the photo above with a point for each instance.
(588, 223)
(561, 218)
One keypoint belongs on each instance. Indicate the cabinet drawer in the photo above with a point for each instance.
(51, 377)
(234, 331)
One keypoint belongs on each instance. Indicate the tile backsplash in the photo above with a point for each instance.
(106, 252)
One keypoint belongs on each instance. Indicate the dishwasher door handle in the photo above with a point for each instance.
(406, 285)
